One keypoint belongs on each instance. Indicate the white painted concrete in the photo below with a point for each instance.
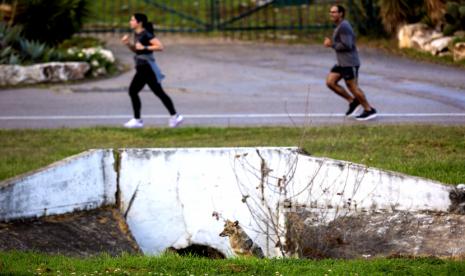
(177, 192)
(335, 183)
(179, 189)
(84, 181)
(169, 195)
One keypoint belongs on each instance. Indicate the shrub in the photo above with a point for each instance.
(81, 42)
(50, 21)
(101, 61)
(365, 15)
(455, 18)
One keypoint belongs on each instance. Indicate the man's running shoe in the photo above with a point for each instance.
(354, 107)
(367, 115)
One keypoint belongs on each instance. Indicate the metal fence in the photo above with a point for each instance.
(205, 16)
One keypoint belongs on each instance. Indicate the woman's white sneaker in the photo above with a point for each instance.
(134, 123)
(175, 120)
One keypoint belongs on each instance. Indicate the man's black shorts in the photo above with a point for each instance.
(347, 73)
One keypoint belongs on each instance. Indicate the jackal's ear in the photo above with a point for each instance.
(236, 223)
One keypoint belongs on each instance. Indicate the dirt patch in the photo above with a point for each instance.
(376, 235)
(78, 234)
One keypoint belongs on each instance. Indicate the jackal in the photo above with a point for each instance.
(241, 243)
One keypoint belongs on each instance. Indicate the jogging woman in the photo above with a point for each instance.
(147, 71)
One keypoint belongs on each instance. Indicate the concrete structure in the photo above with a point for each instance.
(174, 198)
(82, 182)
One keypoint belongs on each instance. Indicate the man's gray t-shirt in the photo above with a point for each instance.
(344, 44)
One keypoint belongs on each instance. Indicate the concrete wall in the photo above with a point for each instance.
(175, 191)
(333, 184)
(84, 181)
(179, 197)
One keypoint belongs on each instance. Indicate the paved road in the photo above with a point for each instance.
(226, 83)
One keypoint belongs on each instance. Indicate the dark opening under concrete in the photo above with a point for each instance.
(198, 250)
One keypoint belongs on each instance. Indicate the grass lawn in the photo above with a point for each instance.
(14, 263)
(436, 152)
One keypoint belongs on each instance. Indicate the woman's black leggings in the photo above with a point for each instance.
(145, 75)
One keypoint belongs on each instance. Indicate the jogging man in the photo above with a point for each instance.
(348, 63)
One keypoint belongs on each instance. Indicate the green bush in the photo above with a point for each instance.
(455, 18)
(89, 49)
(101, 61)
(50, 21)
(365, 16)
(81, 42)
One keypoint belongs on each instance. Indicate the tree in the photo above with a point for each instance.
(397, 12)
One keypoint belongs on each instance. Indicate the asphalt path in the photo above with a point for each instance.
(215, 82)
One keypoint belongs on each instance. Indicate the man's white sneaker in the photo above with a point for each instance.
(134, 123)
(175, 120)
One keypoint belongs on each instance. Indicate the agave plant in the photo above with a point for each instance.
(9, 41)
(33, 50)
(9, 35)
(15, 49)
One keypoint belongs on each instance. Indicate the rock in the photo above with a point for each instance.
(44, 72)
(440, 45)
(417, 36)
(457, 198)
(445, 54)
(406, 32)
(459, 51)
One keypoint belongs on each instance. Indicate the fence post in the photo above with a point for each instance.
(214, 15)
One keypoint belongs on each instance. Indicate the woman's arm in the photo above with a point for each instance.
(155, 45)
(125, 41)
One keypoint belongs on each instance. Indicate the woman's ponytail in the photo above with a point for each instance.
(140, 17)
(148, 26)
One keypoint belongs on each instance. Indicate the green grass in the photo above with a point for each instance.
(14, 263)
(435, 152)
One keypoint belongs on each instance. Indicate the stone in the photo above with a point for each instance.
(406, 32)
(440, 45)
(44, 72)
(459, 51)
(417, 36)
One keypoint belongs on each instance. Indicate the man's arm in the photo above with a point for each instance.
(346, 41)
